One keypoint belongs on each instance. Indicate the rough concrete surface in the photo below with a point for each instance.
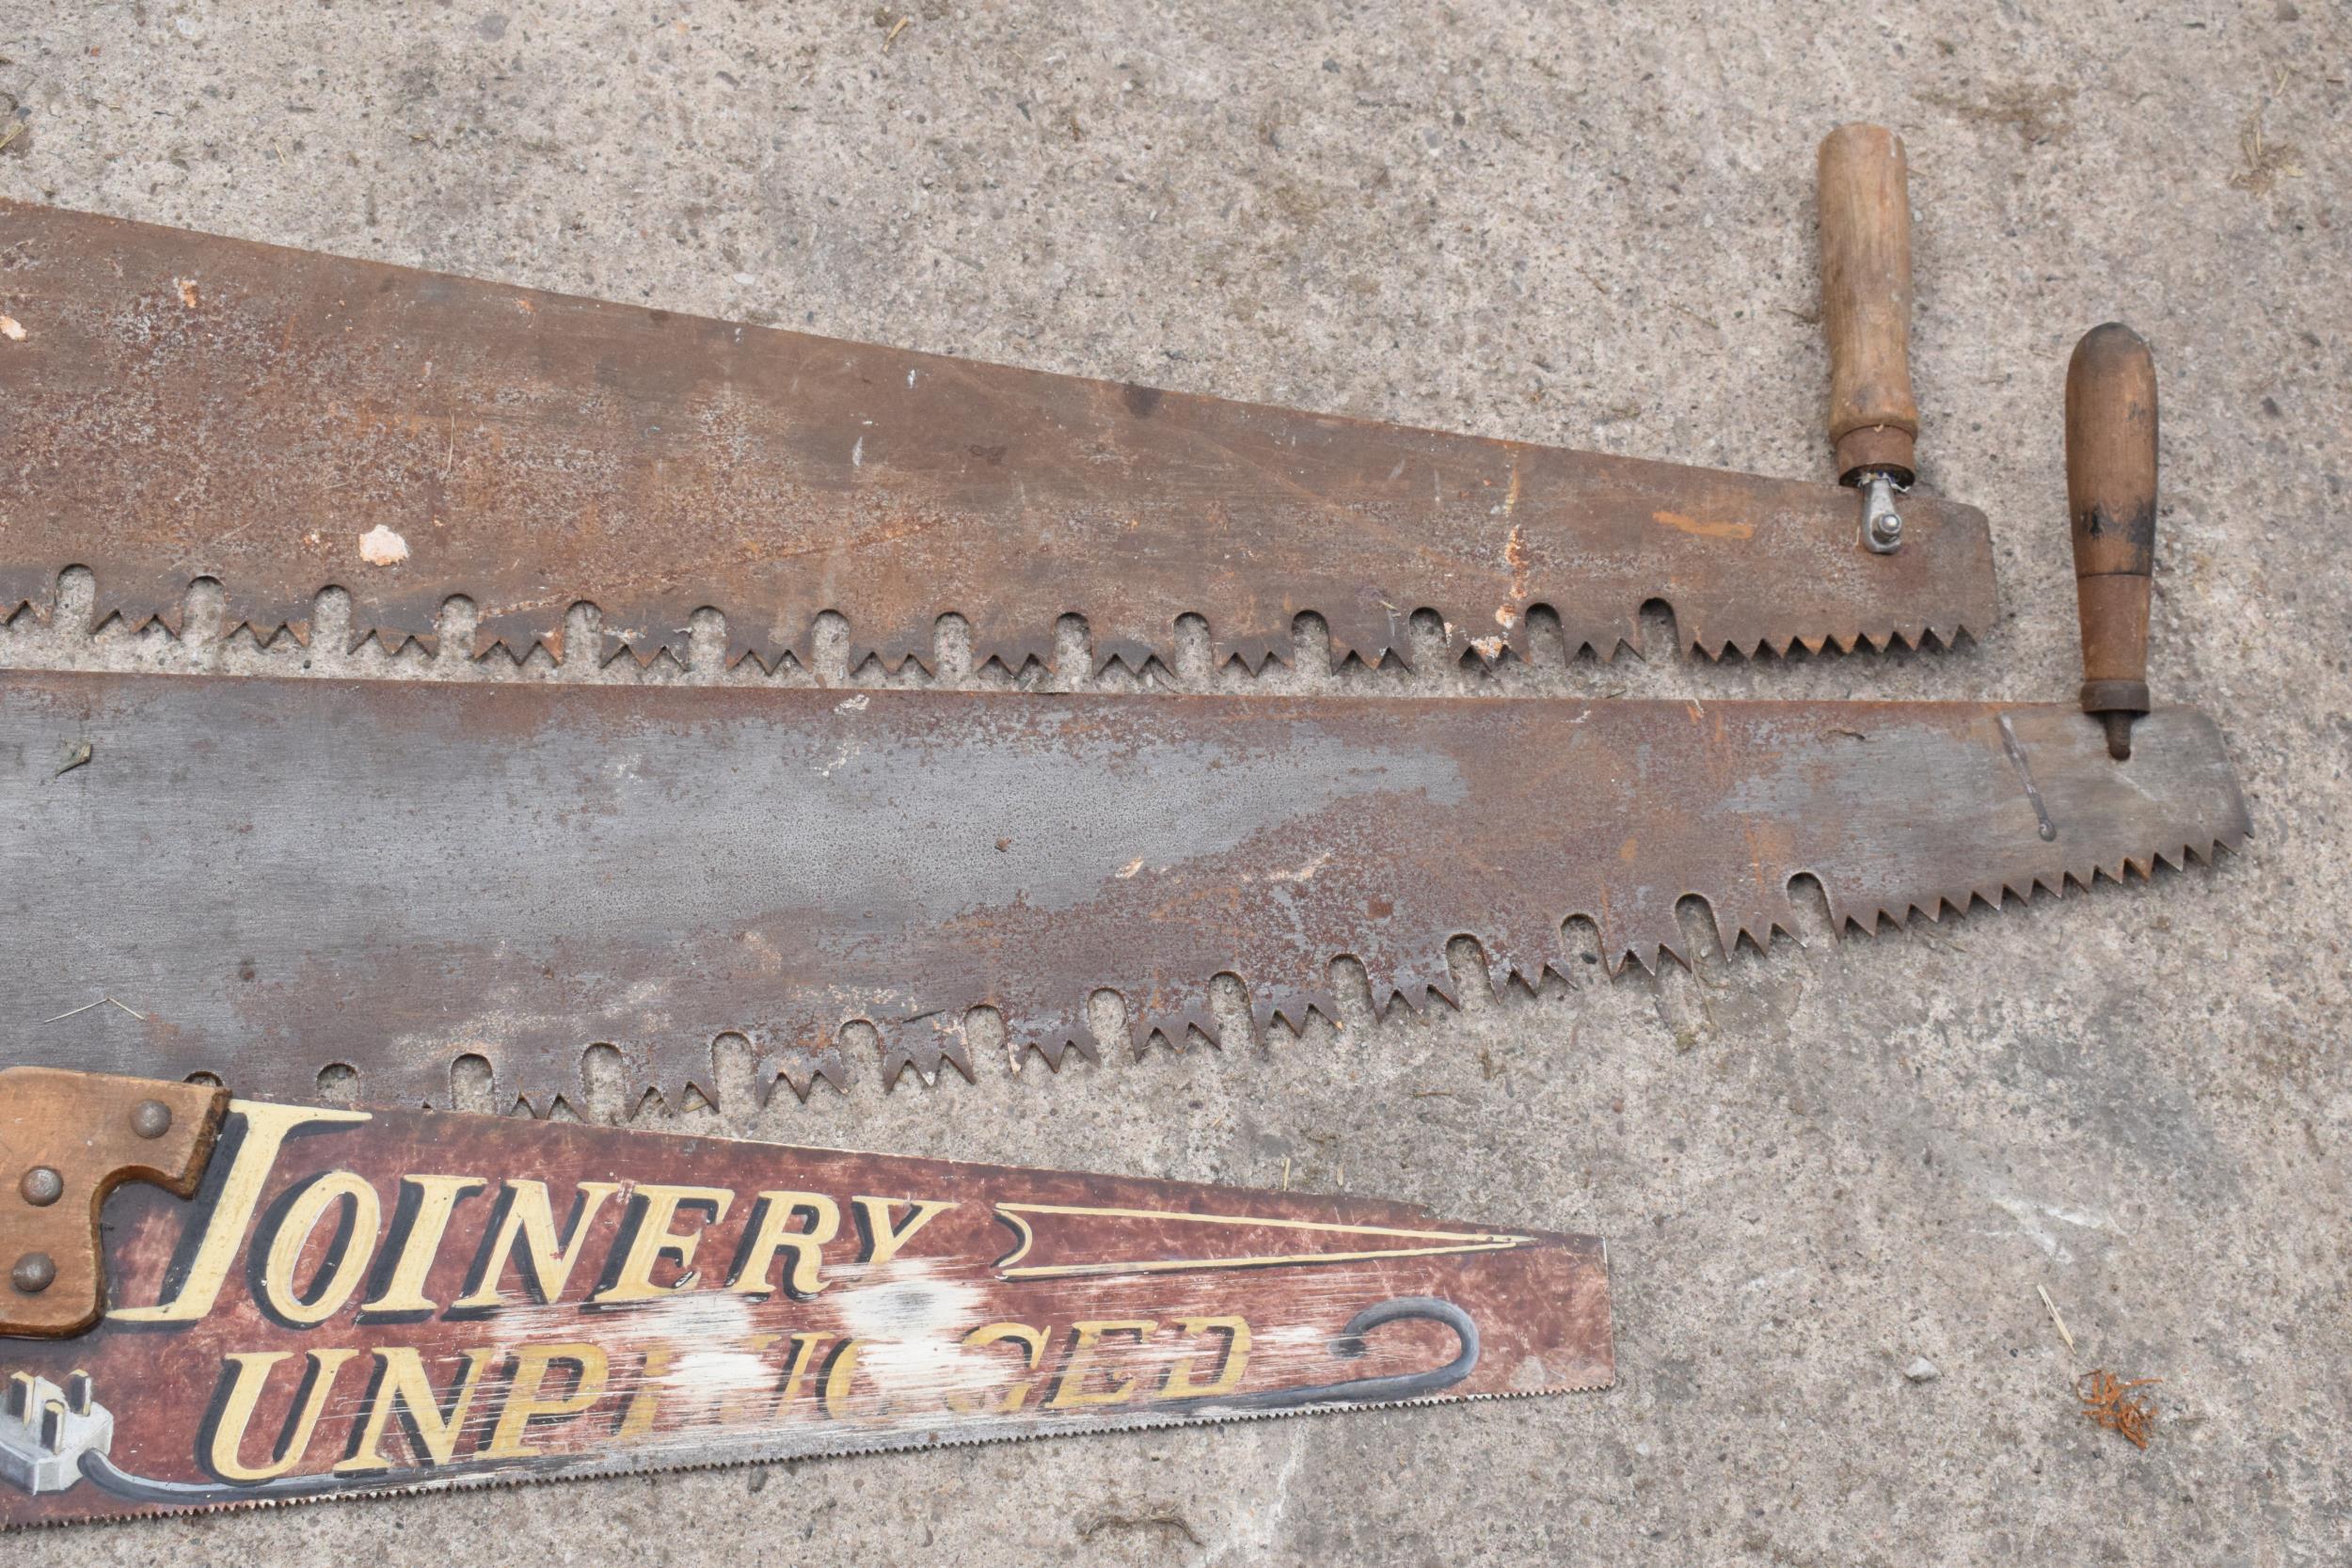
(1578, 224)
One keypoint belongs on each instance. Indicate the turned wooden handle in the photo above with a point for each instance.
(1866, 301)
(2111, 503)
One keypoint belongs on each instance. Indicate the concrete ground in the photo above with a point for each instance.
(1571, 223)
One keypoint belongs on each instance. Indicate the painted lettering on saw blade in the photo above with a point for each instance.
(382, 1328)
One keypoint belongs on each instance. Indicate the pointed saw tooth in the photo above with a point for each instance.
(24, 586)
(1252, 652)
(266, 633)
(1419, 992)
(925, 1045)
(766, 655)
(395, 625)
(1642, 960)
(1130, 654)
(265, 617)
(1054, 1047)
(894, 652)
(799, 1055)
(519, 632)
(1410, 979)
(1524, 969)
(136, 619)
(1293, 1008)
(139, 598)
(1362, 632)
(1050, 1032)
(996, 634)
(391, 640)
(641, 652)
(1641, 934)
(1173, 1023)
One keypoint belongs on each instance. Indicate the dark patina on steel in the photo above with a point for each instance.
(357, 1302)
(263, 877)
(182, 405)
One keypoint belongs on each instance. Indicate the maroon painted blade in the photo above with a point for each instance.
(369, 1302)
(180, 406)
(258, 877)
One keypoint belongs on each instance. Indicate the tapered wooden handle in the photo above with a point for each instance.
(1866, 301)
(2111, 502)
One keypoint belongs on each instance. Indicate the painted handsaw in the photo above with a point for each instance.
(182, 406)
(290, 1302)
(264, 878)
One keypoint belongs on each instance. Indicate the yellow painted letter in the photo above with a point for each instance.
(878, 1241)
(265, 1129)
(235, 1412)
(400, 1378)
(346, 1261)
(523, 1212)
(523, 1403)
(1085, 1338)
(652, 1211)
(1179, 1384)
(767, 1236)
(426, 1221)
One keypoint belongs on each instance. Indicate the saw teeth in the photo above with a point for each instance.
(893, 653)
(905, 1045)
(1174, 1025)
(803, 1057)
(798, 1058)
(1295, 1010)
(1013, 650)
(1055, 1047)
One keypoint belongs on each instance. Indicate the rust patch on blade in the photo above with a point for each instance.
(357, 1302)
(408, 437)
(275, 874)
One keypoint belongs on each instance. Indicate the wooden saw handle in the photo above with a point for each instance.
(67, 1139)
(1865, 302)
(2112, 502)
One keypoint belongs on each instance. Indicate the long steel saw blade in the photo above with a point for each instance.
(257, 877)
(180, 406)
(356, 1303)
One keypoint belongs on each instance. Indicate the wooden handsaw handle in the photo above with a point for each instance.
(2111, 508)
(1865, 302)
(67, 1139)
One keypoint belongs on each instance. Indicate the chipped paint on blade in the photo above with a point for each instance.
(253, 867)
(306, 421)
(405, 1301)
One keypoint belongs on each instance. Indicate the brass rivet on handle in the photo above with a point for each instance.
(151, 1118)
(41, 1186)
(33, 1273)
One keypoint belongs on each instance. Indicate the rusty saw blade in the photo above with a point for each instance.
(183, 406)
(355, 1303)
(259, 878)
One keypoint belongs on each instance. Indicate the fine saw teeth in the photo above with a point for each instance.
(410, 438)
(268, 873)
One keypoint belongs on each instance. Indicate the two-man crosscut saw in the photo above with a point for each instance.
(260, 879)
(290, 1302)
(182, 406)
